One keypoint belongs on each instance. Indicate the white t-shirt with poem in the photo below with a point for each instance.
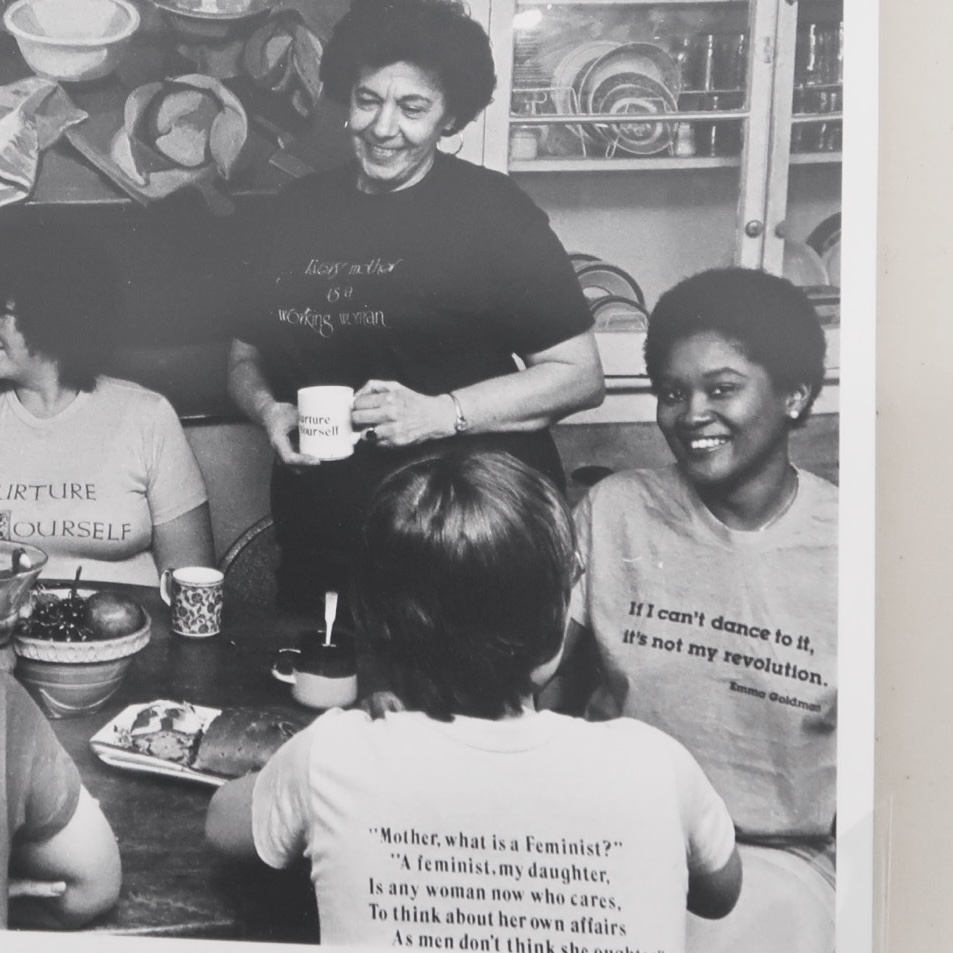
(533, 834)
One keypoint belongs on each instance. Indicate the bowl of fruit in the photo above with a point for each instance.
(20, 564)
(76, 644)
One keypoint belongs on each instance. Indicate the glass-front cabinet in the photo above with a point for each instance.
(666, 137)
(663, 138)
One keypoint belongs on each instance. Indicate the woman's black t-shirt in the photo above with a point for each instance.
(436, 286)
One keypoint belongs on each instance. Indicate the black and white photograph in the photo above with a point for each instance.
(436, 473)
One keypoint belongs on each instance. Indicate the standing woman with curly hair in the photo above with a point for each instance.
(434, 287)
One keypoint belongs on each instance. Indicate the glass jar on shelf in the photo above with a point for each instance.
(818, 84)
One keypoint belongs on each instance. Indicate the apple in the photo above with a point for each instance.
(112, 614)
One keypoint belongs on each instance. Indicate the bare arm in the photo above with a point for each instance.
(714, 895)
(185, 540)
(84, 856)
(248, 387)
(228, 824)
(558, 381)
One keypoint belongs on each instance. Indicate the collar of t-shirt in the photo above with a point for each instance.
(43, 423)
(767, 537)
(524, 732)
(412, 194)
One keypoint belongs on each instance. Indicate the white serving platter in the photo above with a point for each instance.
(107, 746)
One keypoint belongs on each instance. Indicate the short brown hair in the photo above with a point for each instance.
(462, 580)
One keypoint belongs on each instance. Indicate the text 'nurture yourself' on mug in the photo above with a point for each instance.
(324, 422)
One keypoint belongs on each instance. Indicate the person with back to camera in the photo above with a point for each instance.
(412, 276)
(97, 471)
(464, 815)
(710, 594)
(59, 863)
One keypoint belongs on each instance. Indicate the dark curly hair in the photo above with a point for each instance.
(769, 318)
(59, 286)
(462, 579)
(438, 36)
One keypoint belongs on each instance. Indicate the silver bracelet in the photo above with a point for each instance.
(461, 424)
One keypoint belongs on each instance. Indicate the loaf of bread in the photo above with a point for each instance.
(240, 740)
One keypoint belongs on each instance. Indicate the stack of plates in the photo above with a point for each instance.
(615, 298)
(825, 240)
(602, 76)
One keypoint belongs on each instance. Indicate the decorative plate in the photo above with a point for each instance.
(599, 279)
(111, 745)
(640, 59)
(626, 93)
(215, 9)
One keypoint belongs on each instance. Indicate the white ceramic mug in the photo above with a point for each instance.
(320, 675)
(324, 422)
(195, 595)
(317, 691)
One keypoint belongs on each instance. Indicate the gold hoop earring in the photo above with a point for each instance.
(459, 145)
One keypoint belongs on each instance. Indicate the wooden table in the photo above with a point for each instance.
(173, 885)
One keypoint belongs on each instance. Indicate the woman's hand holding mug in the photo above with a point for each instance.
(280, 420)
(400, 416)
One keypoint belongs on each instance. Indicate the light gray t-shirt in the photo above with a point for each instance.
(88, 484)
(724, 639)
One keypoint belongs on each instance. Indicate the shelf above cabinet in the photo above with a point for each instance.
(816, 158)
(649, 163)
(629, 3)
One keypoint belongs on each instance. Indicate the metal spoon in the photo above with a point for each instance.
(330, 614)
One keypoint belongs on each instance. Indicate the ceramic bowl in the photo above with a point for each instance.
(15, 589)
(213, 21)
(72, 40)
(76, 678)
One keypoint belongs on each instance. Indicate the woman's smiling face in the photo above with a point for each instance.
(721, 414)
(398, 114)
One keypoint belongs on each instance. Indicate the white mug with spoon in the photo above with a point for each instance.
(324, 673)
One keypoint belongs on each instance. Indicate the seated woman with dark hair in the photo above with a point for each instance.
(709, 601)
(470, 818)
(96, 471)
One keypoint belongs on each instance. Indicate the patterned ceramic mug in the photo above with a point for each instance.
(195, 595)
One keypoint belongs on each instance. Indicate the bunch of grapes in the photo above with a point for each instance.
(60, 620)
(64, 620)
